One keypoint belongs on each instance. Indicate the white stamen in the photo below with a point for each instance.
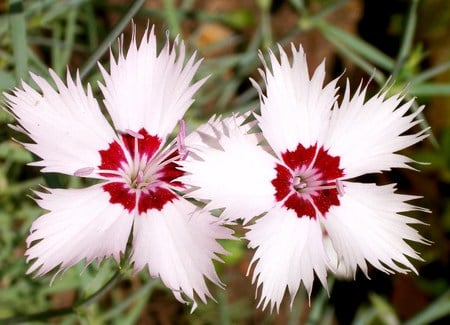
(85, 171)
(298, 183)
(134, 134)
(340, 187)
(180, 140)
(140, 176)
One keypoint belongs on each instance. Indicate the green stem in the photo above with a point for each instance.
(319, 303)
(435, 311)
(19, 38)
(66, 310)
(330, 9)
(172, 18)
(266, 29)
(407, 40)
(104, 46)
(430, 73)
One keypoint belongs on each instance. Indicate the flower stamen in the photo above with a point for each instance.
(133, 134)
(180, 140)
(85, 171)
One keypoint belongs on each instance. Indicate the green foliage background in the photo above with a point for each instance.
(410, 53)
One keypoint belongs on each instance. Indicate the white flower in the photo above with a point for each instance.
(146, 94)
(314, 219)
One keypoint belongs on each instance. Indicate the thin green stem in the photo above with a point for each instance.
(359, 61)
(407, 40)
(330, 9)
(430, 73)
(172, 18)
(423, 122)
(436, 310)
(66, 310)
(102, 291)
(319, 303)
(19, 37)
(104, 46)
(266, 29)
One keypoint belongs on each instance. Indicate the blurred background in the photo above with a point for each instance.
(405, 43)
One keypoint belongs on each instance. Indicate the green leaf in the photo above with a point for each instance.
(430, 73)
(7, 81)
(19, 38)
(430, 89)
(436, 310)
(357, 45)
(385, 311)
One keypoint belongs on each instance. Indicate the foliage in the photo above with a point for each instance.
(75, 34)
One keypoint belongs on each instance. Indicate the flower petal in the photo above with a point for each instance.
(368, 226)
(147, 89)
(366, 135)
(296, 108)
(229, 170)
(178, 245)
(81, 224)
(66, 125)
(289, 251)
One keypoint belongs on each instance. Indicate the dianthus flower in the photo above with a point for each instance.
(146, 94)
(296, 174)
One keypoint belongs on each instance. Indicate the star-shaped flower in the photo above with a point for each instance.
(145, 94)
(296, 175)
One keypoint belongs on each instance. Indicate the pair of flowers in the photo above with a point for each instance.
(290, 166)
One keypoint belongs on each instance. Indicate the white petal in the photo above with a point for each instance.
(367, 226)
(81, 224)
(296, 108)
(178, 245)
(367, 135)
(66, 124)
(229, 170)
(289, 251)
(147, 89)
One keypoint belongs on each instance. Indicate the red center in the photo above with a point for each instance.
(155, 193)
(308, 181)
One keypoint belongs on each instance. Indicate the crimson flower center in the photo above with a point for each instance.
(139, 176)
(308, 181)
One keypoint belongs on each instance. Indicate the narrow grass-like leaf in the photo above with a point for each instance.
(430, 89)
(423, 122)
(54, 9)
(7, 80)
(38, 66)
(385, 312)
(365, 316)
(104, 46)
(142, 294)
(430, 73)
(357, 45)
(296, 312)
(266, 30)
(19, 38)
(172, 18)
(407, 39)
(358, 60)
(57, 33)
(132, 317)
(91, 24)
(436, 310)
(69, 36)
(330, 9)
(320, 302)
